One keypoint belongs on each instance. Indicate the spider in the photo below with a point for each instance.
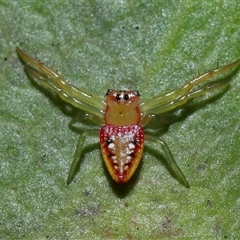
(122, 115)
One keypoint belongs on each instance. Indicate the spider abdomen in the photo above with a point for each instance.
(122, 148)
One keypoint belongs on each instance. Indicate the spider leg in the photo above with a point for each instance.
(78, 153)
(182, 99)
(167, 101)
(99, 121)
(169, 157)
(52, 80)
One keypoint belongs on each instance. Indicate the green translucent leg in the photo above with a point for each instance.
(145, 119)
(169, 158)
(96, 119)
(99, 121)
(169, 100)
(182, 99)
(52, 80)
(78, 153)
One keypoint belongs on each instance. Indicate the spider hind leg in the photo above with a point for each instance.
(78, 154)
(170, 160)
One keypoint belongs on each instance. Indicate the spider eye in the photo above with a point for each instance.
(108, 91)
(118, 97)
(126, 97)
(136, 92)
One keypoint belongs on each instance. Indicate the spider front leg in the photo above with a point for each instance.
(52, 80)
(169, 157)
(78, 153)
(167, 101)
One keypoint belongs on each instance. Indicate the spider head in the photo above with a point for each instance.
(122, 96)
(122, 107)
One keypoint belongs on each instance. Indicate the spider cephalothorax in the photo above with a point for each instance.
(122, 115)
(122, 107)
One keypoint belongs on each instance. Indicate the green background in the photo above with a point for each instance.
(150, 46)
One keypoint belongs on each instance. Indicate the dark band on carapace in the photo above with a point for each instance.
(136, 92)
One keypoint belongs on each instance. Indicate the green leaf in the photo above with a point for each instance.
(150, 46)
